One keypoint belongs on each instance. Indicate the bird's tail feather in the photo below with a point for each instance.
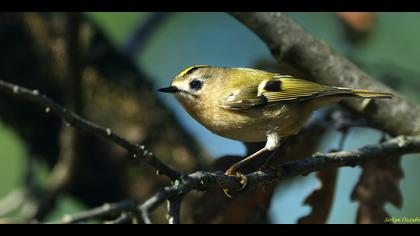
(370, 94)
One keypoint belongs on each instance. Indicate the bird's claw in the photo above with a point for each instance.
(243, 181)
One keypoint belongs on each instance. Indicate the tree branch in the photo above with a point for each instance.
(183, 184)
(216, 181)
(124, 218)
(174, 210)
(100, 212)
(289, 43)
(74, 120)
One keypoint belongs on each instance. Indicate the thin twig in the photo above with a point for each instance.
(138, 151)
(174, 209)
(100, 212)
(124, 218)
(342, 139)
(12, 201)
(155, 201)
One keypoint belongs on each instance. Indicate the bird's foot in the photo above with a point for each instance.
(243, 180)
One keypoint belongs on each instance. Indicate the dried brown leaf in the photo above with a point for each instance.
(322, 198)
(378, 185)
(361, 22)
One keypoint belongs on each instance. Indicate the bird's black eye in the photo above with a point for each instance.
(196, 85)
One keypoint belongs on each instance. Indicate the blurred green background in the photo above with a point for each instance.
(391, 52)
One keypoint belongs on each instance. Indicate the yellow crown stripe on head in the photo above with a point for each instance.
(190, 68)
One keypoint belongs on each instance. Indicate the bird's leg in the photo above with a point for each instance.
(273, 142)
(270, 158)
(233, 169)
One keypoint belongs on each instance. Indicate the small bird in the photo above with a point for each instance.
(252, 105)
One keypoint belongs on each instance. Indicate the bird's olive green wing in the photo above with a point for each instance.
(281, 88)
(243, 98)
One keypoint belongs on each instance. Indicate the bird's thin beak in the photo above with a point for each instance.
(170, 89)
